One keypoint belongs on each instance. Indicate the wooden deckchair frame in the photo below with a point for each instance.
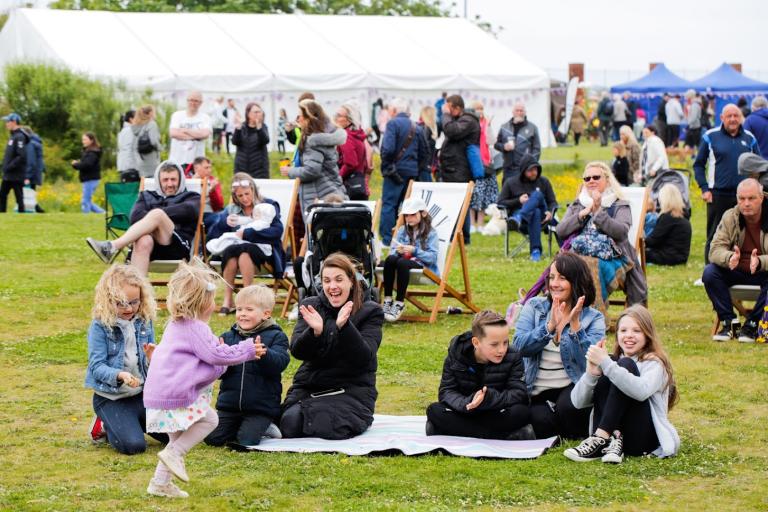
(638, 244)
(444, 290)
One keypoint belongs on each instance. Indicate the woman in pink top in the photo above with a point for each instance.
(486, 188)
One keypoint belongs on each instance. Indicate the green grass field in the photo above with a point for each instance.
(49, 463)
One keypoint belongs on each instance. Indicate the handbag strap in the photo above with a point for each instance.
(407, 143)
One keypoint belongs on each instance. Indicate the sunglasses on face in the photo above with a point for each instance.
(595, 178)
(241, 183)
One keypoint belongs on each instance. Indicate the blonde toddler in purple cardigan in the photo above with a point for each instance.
(189, 359)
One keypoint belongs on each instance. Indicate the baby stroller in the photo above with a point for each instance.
(346, 228)
(677, 177)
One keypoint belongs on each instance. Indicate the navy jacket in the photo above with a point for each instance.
(15, 158)
(716, 165)
(35, 164)
(415, 156)
(757, 125)
(254, 387)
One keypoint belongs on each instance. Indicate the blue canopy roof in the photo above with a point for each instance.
(659, 80)
(726, 78)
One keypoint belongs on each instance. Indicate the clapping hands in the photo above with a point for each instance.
(558, 318)
(313, 319)
(344, 313)
(596, 354)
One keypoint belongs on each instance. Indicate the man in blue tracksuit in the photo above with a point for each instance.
(403, 153)
(716, 166)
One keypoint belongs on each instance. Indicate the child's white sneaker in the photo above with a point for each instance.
(169, 490)
(272, 432)
(614, 454)
(175, 463)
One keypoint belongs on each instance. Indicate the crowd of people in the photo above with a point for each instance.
(554, 378)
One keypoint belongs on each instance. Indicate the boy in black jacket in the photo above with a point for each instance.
(249, 396)
(482, 392)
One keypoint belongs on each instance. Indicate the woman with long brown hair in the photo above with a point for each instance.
(338, 333)
(89, 171)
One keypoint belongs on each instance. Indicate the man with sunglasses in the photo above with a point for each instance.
(189, 131)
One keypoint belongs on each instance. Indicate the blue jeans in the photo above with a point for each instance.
(392, 195)
(86, 205)
(531, 215)
(125, 421)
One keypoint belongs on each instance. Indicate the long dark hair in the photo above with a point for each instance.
(313, 112)
(94, 145)
(575, 270)
(422, 228)
(342, 262)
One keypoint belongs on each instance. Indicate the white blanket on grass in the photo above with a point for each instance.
(406, 435)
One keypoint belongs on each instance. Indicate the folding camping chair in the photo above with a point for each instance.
(120, 198)
(286, 194)
(739, 294)
(547, 229)
(638, 204)
(169, 266)
(448, 204)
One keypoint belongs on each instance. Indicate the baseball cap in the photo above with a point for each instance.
(413, 205)
(16, 118)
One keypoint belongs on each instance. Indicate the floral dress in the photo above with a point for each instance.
(175, 420)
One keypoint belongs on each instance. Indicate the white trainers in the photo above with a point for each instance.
(698, 282)
(395, 312)
(386, 307)
(175, 463)
(168, 490)
(272, 432)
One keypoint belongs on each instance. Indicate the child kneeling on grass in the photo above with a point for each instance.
(630, 392)
(185, 365)
(249, 396)
(482, 391)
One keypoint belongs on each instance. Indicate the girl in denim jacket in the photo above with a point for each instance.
(120, 343)
(415, 246)
(553, 335)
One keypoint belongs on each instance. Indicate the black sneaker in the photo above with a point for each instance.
(429, 428)
(103, 250)
(748, 333)
(513, 223)
(395, 312)
(614, 454)
(590, 449)
(725, 331)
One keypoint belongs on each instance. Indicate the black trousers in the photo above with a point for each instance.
(715, 211)
(553, 414)
(613, 410)
(245, 429)
(18, 191)
(481, 424)
(397, 266)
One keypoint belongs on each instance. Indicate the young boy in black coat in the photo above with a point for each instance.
(249, 396)
(482, 391)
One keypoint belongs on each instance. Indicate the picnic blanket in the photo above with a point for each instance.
(405, 434)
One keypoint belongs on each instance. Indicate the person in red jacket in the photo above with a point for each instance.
(352, 155)
(214, 203)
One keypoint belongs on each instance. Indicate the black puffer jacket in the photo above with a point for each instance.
(15, 158)
(459, 133)
(252, 156)
(463, 377)
(339, 358)
(518, 185)
(254, 387)
(89, 165)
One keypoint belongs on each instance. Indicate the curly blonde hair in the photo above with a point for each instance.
(109, 291)
(191, 290)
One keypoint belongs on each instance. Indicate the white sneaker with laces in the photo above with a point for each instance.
(175, 463)
(272, 432)
(614, 453)
(169, 490)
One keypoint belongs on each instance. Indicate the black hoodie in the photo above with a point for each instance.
(516, 186)
(463, 376)
(89, 165)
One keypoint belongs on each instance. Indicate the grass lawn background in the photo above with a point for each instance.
(48, 462)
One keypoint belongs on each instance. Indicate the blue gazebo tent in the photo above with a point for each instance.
(728, 85)
(647, 90)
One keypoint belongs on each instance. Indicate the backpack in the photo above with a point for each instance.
(144, 144)
(608, 108)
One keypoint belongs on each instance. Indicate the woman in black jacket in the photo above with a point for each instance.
(251, 139)
(89, 168)
(670, 241)
(482, 391)
(337, 336)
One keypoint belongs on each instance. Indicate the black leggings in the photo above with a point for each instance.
(553, 414)
(397, 265)
(616, 411)
(481, 424)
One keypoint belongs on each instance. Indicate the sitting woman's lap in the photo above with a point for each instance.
(236, 251)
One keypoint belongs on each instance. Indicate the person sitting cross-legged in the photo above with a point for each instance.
(529, 199)
(163, 222)
(738, 254)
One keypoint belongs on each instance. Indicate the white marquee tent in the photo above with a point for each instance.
(273, 58)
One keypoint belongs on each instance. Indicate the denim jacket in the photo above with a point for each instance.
(426, 256)
(531, 336)
(106, 349)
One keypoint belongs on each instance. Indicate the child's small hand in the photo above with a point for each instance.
(128, 379)
(597, 353)
(149, 349)
(261, 350)
(221, 341)
(477, 399)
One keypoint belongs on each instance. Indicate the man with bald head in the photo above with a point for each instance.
(189, 130)
(517, 137)
(716, 166)
(739, 255)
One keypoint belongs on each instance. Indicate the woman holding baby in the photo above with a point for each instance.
(246, 218)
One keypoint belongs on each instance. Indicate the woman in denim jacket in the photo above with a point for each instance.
(553, 334)
(121, 339)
